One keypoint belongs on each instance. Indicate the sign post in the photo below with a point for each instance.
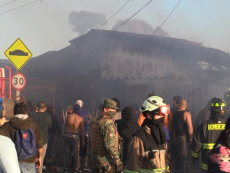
(18, 83)
(19, 55)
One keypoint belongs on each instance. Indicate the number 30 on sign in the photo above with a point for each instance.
(18, 81)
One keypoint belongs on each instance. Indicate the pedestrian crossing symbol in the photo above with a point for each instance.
(18, 54)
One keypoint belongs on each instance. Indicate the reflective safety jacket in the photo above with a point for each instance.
(205, 137)
(139, 147)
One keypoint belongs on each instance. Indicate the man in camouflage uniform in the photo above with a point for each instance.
(104, 141)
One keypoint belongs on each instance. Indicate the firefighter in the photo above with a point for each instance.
(203, 115)
(208, 132)
(147, 148)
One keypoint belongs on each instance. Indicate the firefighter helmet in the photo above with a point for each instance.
(218, 105)
(155, 103)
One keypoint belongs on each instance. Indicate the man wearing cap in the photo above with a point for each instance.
(83, 149)
(104, 141)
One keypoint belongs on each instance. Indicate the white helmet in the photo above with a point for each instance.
(155, 102)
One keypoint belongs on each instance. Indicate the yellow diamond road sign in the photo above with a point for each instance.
(18, 54)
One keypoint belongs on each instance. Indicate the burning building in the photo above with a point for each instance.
(105, 64)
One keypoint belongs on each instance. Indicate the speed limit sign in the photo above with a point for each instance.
(18, 81)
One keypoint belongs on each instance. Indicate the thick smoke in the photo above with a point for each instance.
(83, 21)
(140, 27)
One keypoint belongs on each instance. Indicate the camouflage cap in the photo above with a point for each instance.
(108, 103)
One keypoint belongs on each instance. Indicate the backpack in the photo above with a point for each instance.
(25, 143)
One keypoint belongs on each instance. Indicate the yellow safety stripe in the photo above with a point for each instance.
(153, 170)
(208, 146)
(204, 166)
(129, 171)
(217, 104)
(216, 126)
(147, 170)
(194, 154)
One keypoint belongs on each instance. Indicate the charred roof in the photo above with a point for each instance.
(84, 54)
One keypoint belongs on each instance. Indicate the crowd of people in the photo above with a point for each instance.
(161, 140)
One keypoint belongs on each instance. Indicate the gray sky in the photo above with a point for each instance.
(44, 26)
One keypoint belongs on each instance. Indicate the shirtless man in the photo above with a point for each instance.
(72, 140)
(182, 132)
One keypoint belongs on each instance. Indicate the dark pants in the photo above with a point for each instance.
(83, 149)
(71, 144)
(50, 145)
(97, 170)
(180, 154)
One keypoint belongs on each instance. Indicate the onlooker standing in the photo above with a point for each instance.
(83, 149)
(126, 127)
(118, 111)
(69, 110)
(72, 142)
(8, 156)
(54, 130)
(44, 121)
(22, 128)
(182, 132)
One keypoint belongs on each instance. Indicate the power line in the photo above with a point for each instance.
(153, 33)
(7, 3)
(20, 7)
(167, 18)
(120, 25)
(112, 15)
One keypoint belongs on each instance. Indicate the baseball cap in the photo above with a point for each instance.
(80, 103)
(108, 103)
(1, 106)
